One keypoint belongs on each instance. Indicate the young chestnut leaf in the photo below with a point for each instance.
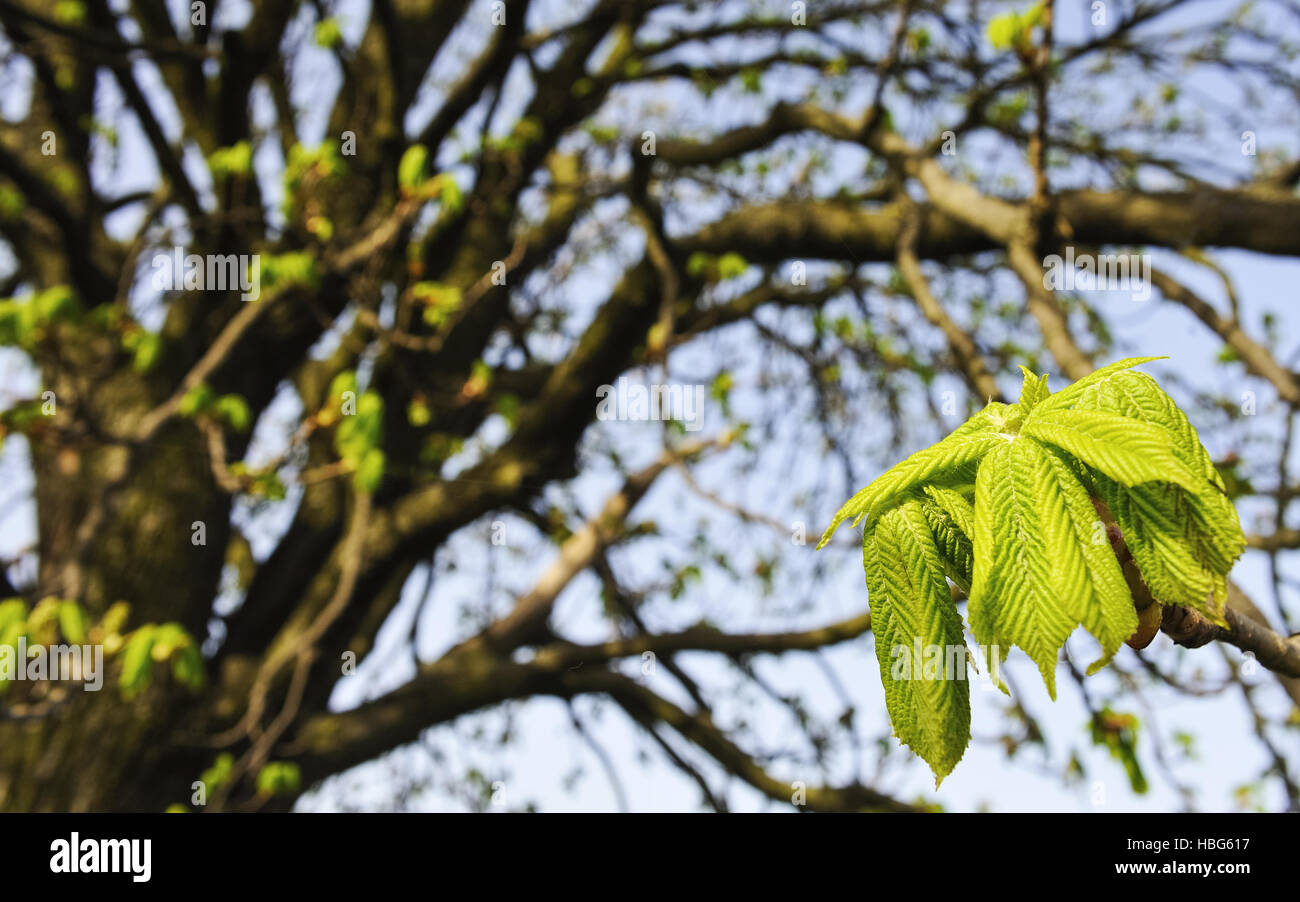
(1006, 508)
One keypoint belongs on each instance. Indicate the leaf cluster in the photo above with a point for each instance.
(1006, 508)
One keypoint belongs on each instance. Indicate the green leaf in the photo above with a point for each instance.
(1119, 733)
(167, 638)
(1033, 390)
(12, 202)
(1012, 600)
(115, 618)
(1002, 30)
(948, 460)
(234, 160)
(187, 667)
(411, 168)
(233, 411)
(956, 503)
(507, 405)
(279, 778)
(1011, 505)
(358, 433)
(137, 662)
(72, 622)
(370, 472)
(418, 413)
(12, 632)
(12, 328)
(145, 347)
(1213, 527)
(440, 301)
(345, 381)
(1014, 29)
(449, 194)
(1153, 519)
(731, 265)
(217, 775)
(327, 33)
(55, 303)
(289, 270)
(913, 614)
(12, 610)
(1126, 450)
(9, 636)
(951, 519)
(269, 485)
(196, 400)
(1067, 396)
(1085, 574)
(43, 620)
(70, 12)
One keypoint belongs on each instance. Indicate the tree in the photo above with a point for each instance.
(428, 241)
